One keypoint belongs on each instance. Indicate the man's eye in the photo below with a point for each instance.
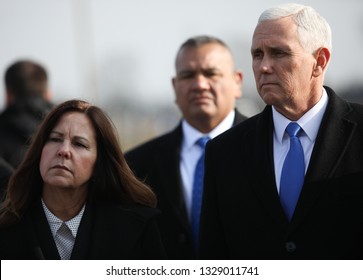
(186, 75)
(257, 55)
(210, 74)
(279, 53)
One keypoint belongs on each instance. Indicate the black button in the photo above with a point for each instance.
(290, 247)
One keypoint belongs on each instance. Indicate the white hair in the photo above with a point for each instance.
(313, 30)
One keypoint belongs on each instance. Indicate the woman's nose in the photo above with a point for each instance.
(64, 150)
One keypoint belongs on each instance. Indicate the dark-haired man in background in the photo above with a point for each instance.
(27, 101)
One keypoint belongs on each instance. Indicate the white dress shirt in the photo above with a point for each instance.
(190, 153)
(309, 122)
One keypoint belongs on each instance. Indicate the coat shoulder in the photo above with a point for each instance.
(154, 145)
(134, 212)
(241, 129)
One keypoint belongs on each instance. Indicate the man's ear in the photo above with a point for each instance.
(48, 95)
(10, 98)
(322, 57)
(238, 76)
(173, 82)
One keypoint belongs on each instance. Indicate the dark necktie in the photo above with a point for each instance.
(64, 239)
(293, 172)
(198, 191)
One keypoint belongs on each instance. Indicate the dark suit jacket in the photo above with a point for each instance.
(106, 232)
(241, 214)
(157, 162)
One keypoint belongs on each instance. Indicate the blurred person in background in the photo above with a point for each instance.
(353, 93)
(74, 196)
(206, 86)
(287, 183)
(27, 101)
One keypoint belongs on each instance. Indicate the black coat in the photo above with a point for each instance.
(157, 162)
(241, 213)
(18, 122)
(106, 232)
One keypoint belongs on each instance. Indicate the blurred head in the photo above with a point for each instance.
(24, 79)
(76, 146)
(290, 50)
(206, 84)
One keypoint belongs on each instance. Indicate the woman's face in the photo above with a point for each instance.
(69, 154)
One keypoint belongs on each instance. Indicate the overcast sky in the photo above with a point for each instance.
(98, 49)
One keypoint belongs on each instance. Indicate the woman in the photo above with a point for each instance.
(74, 196)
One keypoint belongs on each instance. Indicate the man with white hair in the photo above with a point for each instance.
(287, 183)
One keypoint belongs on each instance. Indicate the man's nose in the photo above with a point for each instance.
(265, 65)
(200, 82)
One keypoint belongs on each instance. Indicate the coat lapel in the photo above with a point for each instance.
(333, 137)
(83, 240)
(168, 162)
(42, 234)
(114, 232)
(335, 134)
(261, 172)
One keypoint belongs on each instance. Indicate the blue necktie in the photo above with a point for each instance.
(293, 172)
(198, 191)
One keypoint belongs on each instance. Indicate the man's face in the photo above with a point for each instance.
(206, 84)
(283, 69)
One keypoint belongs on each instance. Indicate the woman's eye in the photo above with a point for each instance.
(80, 144)
(55, 139)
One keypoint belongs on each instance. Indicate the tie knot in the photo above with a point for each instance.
(203, 141)
(293, 129)
(64, 230)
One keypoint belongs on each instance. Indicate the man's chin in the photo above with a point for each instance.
(203, 113)
(269, 97)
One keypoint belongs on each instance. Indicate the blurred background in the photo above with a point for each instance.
(119, 54)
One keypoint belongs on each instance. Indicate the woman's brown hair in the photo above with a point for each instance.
(112, 179)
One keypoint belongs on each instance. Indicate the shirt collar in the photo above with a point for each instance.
(191, 135)
(55, 223)
(309, 122)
